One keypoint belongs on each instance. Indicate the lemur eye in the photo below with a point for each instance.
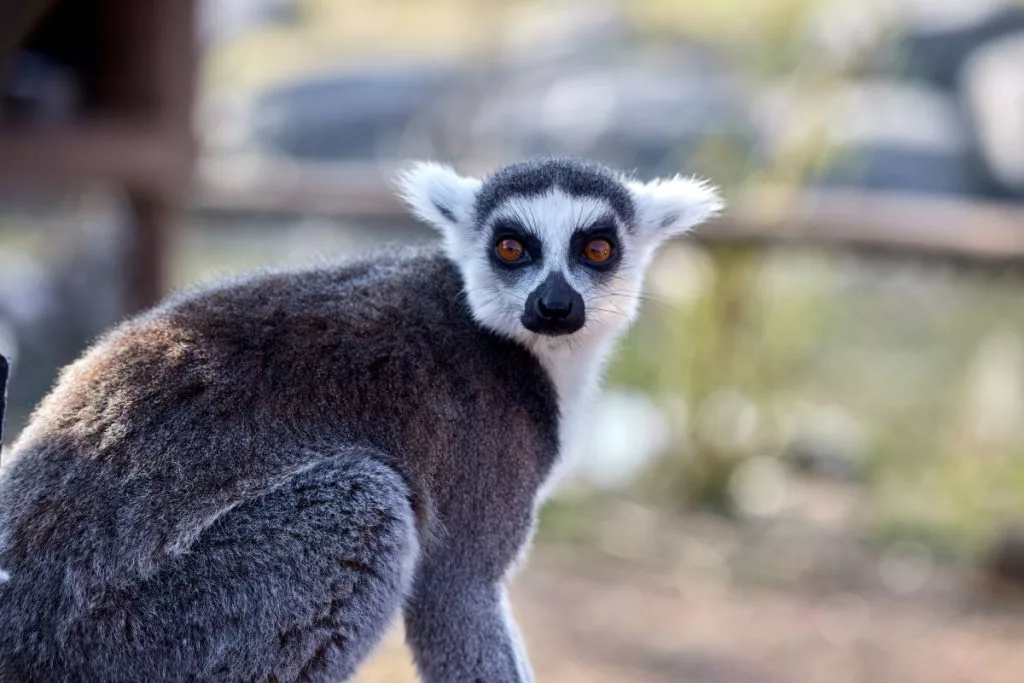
(597, 251)
(510, 250)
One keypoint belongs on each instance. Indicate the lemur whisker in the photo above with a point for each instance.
(605, 310)
(497, 295)
(646, 298)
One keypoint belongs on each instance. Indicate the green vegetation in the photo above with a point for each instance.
(926, 362)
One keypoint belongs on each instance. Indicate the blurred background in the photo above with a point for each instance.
(809, 461)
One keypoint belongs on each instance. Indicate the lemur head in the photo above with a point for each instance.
(554, 250)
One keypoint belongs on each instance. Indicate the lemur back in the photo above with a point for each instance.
(210, 402)
(251, 481)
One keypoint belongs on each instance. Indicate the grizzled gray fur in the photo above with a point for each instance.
(252, 481)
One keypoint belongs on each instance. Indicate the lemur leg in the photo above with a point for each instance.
(298, 584)
(460, 628)
(302, 584)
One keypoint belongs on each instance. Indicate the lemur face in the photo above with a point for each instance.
(554, 250)
(554, 258)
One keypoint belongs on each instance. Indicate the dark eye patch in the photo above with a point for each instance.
(603, 224)
(508, 228)
(603, 228)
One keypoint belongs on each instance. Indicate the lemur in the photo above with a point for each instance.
(252, 481)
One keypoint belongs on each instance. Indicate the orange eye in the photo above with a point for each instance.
(510, 250)
(598, 251)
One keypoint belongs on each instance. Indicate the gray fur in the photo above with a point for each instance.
(535, 176)
(250, 482)
(234, 486)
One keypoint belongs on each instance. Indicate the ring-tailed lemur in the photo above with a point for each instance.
(251, 481)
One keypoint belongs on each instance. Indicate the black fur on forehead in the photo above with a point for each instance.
(575, 177)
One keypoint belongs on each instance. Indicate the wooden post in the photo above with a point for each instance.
(138, 62)
(161, 83)
(145, 271)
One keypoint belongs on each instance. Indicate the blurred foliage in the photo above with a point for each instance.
(925, 362)
(570, 520)
(766, 32)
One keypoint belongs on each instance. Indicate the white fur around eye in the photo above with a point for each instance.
(666, 207)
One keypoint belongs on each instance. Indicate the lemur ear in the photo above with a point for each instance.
(671, 206)
(439, 195)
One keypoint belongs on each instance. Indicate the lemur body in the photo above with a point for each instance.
(250, 482)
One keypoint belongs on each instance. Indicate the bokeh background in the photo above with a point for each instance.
(808, 464)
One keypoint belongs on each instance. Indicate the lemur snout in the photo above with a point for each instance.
(554, 308)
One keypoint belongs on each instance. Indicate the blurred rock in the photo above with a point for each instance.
(897, 137)
(882, 36)
(993, 92)
(963, 49)
(355, 114)
(933, 44)
(664, 113)
(395, 110)
(590, 93)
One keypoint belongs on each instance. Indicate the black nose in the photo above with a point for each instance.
(554, 307)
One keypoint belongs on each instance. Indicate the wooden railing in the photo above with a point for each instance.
(971, 231)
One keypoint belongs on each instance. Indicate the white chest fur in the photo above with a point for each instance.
(576, 373)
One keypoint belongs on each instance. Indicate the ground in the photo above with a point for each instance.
(589, 616)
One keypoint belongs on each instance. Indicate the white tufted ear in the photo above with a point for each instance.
(671, 206)
(439, 195)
